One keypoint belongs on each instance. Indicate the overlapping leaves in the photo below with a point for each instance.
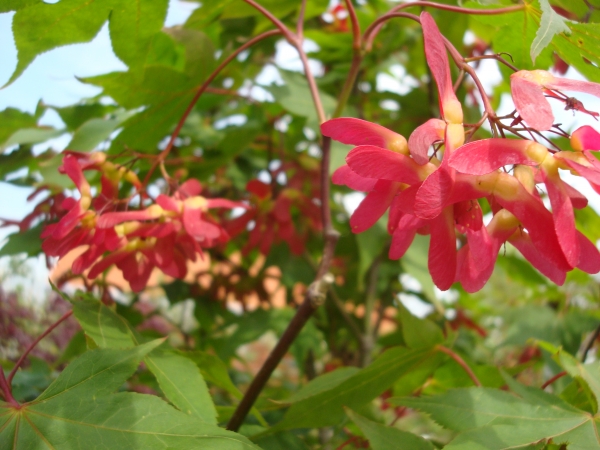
(492, 419)
(80, 410)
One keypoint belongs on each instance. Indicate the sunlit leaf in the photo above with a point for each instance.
(325, 408)
(550, 25)
(44, 26)
(492, 419)
(27, 242)
(79, 411)
(382, 437)
(178, 377)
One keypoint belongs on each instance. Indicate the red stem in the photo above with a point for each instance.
(375, 27)
(300, 23)
(5, 387)
(296, 41)
(355, 25)
(553, 379)
(280, 25)
(461, 10)
(12, 373)
(162, 156)
(461, 362)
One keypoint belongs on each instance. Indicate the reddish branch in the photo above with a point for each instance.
(12, 373)
(5, 388)
(553, 379)
(375, 27)
(461, 362)
(162, 155)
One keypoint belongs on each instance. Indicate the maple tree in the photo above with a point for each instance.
(227, 198)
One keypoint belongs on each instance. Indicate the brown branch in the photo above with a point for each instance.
(317, 291)
(461, 362)
(12, 373)
(313, 299)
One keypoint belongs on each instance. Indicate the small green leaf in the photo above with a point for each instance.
(104, 326)
(97, 372)
(550, 25)
(76, 115)
(78, 411)
(27, 242)
(13, 120)
(323, 383)
(326, 407)
(42, 27)
(490, 419)
(94, 131)
(417, 332)
(177, 376)
(382, 437)
(181, 382)
(31, 136)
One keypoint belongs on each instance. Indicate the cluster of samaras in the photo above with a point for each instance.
(440, 198)
(424, 193)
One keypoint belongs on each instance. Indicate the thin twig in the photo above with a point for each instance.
(353, 327)
(6, 392)
(280, 25)
(460, 9)
(590, 343)
(553, 379)
(461, 362)
(368, 340)
(300, 23)
(12, 373)
(373, 29)
(356, 44)
(296, 42)
(163, 155)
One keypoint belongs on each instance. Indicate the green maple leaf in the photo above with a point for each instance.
(79, 410)
(490, 419)
(163, 91)
(178, 377)
(39, 27)
(324, 405)
(383, 437)
(551, 24)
